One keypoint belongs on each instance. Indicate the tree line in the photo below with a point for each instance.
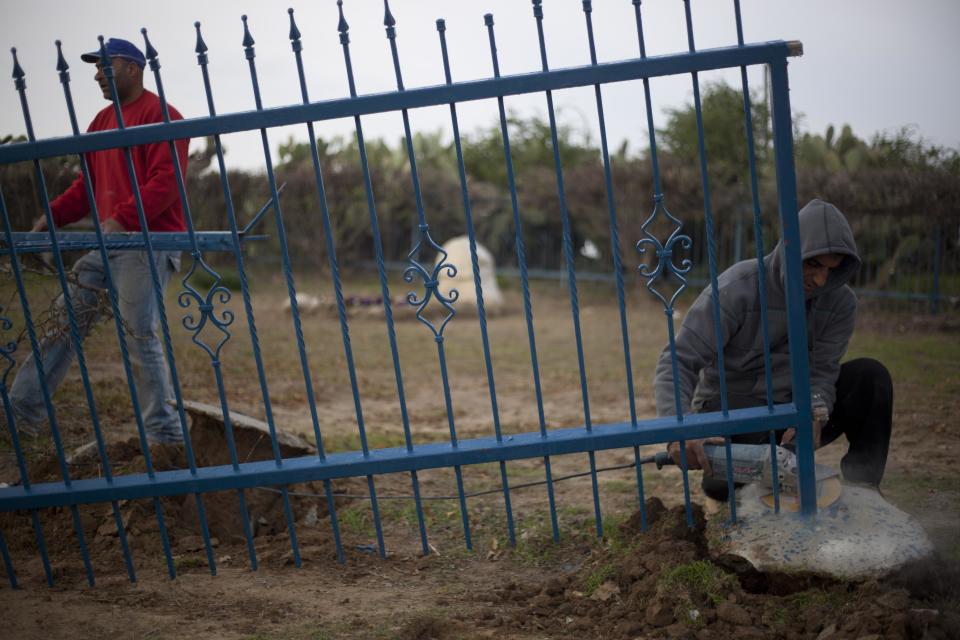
(895, 187)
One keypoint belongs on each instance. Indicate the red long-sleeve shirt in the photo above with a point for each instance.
(152, 164)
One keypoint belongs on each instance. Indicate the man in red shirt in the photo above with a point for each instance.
(116, 209)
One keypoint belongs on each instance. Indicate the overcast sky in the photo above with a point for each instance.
(875, 64)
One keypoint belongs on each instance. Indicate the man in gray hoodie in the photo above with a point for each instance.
(854, 398)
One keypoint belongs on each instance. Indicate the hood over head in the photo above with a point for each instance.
(823, 229)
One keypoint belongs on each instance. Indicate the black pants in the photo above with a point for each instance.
(863, 412)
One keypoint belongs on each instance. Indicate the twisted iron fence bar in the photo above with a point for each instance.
(571, 269)
(216, 292)
(430, 278)
(343, 29)
(202, 60)
(6, 351)
(250, 54)
(475, 265)
(107, 68)
(712, 259)
(63, 69)
(761, 267)
(524, 280)
(297, 47)
(21, 86)
(615, 249)
(667, 267)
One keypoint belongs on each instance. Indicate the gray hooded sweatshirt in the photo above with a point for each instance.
(830, 312)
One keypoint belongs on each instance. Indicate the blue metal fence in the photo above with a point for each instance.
(206, 312)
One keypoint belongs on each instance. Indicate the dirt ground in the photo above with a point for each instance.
(627, 584)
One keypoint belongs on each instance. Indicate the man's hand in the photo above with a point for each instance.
(790, 434)
(110, 225)
(40, 224)
(696, 456)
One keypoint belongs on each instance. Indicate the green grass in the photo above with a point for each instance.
(930, 361)
(696, 578)
(356, 519)
(597, 578)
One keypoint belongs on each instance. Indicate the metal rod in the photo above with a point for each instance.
(478, 286)
(343, 29)
(712, 259)
(615, 248)
(524, 279)
(761, 253)
(250, 54)
(337, 286)
(568, 257)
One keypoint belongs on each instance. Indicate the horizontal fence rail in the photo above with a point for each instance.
(662, 260)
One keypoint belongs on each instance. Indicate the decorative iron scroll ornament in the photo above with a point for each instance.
(206, 305)
(217, 293)
(430, 278)
(431, 282)
(665, 266)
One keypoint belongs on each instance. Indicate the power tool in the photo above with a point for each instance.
(751, 463)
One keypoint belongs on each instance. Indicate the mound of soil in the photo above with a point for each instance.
(662, 583)
(179, 514)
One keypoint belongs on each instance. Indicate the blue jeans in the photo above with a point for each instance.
(138, 309)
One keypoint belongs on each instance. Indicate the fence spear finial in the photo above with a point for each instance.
(150, 51)
(201, 47)
(248, 40)
(104, 57)
(388, 19)
(587, 6)
(441, 24)
(342, 26)
(294, 32)
(62, 65)
(18, 73)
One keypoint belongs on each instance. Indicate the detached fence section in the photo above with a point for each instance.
(659, 260)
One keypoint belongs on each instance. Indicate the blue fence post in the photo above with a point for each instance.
(796, 317)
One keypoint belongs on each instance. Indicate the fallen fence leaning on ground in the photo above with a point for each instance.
(663, 271)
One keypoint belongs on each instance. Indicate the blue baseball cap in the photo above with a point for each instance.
(117, 48)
